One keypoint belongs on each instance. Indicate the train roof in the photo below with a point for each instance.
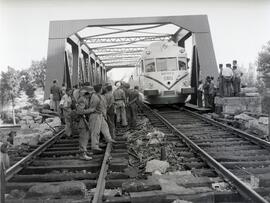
(163, 49)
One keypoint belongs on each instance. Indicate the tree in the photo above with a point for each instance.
(26, 83)
(263, 60)
(37, 71)
(10, 88)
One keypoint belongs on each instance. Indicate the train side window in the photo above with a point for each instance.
(182, 65)
(149, 65)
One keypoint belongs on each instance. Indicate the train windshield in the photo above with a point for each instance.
(167, 64)
(149, 65)
(182, 65)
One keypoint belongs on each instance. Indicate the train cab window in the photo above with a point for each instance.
(182, 65)
(149, 65)
(141, 67)
(166, 64)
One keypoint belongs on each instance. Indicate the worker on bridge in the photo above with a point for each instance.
(83, 106)
(132, 104)
(56, 95)
(221, 81)
(227, 75)
(110, 109)
(97, 119)
(206, 89)
(120, 99)
(65, 105)
(236, 79)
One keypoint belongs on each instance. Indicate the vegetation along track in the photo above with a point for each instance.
(240, 158)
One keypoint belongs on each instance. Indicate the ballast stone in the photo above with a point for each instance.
(155, 164)
(27, 137)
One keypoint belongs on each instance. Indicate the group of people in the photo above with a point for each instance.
(229, 80)
(228, 85)
(94, 109)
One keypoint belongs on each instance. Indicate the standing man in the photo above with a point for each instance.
(212, 91)
(133, 99)
(76, 93)
(126, 88)
(65, 105)
(97, 119)
(227, 75)
(83, 126)
(110, 109)
(200, 94)
(236, 79)
(56, 95)
(120, 98)
(221, 81)
(206, 87)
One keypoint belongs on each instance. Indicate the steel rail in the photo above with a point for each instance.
(243, 189)
(21, 164)
(241, 133)
(102, 175)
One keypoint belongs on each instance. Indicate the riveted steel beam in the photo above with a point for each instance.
(128, 39)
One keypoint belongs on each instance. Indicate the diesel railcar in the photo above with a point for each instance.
(162, 74)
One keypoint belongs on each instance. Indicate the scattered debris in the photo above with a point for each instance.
(154, 165)
(220, 186)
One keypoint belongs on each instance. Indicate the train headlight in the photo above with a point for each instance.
(182, 51)
(148, 52)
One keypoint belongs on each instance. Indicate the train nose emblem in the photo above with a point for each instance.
(168, 83)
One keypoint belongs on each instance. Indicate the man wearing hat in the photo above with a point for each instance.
(220, 81)
(97, 119)
(133, 100)
(83, 126)
(120, 99)
(206, 87)
(227, 75)
(236, 79)
(110, 109)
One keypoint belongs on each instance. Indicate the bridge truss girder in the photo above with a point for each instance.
(60, 31)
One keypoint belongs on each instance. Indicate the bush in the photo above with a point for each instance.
(7, 119)
(265, 105)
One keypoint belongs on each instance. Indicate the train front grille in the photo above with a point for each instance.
(167, 93)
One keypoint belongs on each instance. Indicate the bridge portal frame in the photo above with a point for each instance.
(203, 59)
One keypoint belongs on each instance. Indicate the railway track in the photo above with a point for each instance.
(56, 162)
(243, 160)
(55, 165)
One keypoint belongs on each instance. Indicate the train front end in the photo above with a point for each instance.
(164, 75)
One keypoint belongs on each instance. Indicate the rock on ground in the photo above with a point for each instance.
(155, 164)
(26, 137)
(63, 188)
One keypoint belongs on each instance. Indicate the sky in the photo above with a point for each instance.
(239, 28)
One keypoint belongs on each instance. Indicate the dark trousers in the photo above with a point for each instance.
(133, 111)
(236, 86)
(227, 85)
(207, 100)
(200, 104)
(221, 84)
(111, 122)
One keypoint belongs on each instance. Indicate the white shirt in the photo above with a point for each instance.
(237, 73)
(227, 72)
